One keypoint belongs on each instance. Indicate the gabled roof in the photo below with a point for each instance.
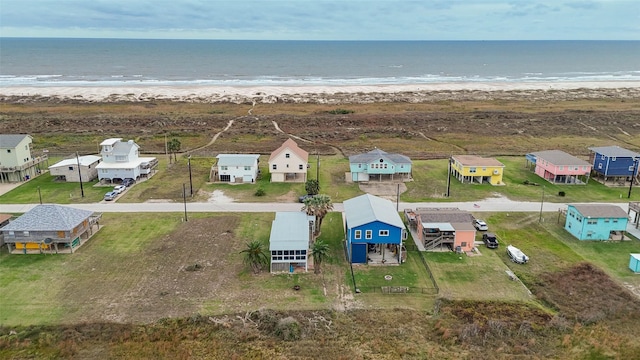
(49, 217)
(290, 231)
(376, 154)
(237, 159)
(473, 160)
(10, 141)
(558, 157)
(84, 161)
(367, 208)
(293, 147)
(600, 210)
(110, 141)
(614, 151)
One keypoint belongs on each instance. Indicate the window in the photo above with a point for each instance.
(592, 221)
(274, 166)
(70, 167)
(25, 233)
(287, 156)
(384, 233)
(599, 165)
(484, 169)
(630, 168)
(613, 158)
(12, 234)
(368, 234)
(472, 170)
(561, 167)
(615, 221)
(601, 157)
(223, 167)
(8, 150)
(463, 244)
(247, 168)
(300, 167)
(358, 234)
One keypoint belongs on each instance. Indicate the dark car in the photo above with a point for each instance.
(128, 182)
(305, 197)
(490, 240)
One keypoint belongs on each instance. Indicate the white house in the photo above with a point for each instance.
(16, 162)
(288, 163)
(236, 168)
(120, 160)
(289, 241)
(67, 169)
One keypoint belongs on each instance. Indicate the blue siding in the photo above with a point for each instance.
(613, 166)
(634, 264)
(394, 237)
(359, 253)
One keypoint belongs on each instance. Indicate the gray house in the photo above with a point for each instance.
(50, 229)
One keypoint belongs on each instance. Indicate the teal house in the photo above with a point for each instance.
(379, 165)
(596, 221)
(634, 263)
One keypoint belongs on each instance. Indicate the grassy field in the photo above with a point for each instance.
(429, 184)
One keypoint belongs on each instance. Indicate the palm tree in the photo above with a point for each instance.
(173, 146)
(319, 251)
(318, 206)
(255, 256)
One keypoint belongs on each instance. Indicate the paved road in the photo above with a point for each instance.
(487, 205)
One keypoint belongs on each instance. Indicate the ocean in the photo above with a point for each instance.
(121, 62)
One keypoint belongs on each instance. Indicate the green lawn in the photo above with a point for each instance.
(54, 192)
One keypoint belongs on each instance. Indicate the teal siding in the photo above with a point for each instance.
(584, 228)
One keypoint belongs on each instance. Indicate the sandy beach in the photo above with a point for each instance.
(328, 94)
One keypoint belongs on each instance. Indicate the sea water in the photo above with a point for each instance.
(118, 62)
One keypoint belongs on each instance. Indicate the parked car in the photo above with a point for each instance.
(119, 189)
(490, 240)
(305, 197)
(128, 182)
(480, 225)
(111, 195)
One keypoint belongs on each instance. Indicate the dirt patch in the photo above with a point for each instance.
(159, 282)
(218, 196)
(388, 190)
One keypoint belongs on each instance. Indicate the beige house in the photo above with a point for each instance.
(67, 169)
(289, 163)
(16, 162)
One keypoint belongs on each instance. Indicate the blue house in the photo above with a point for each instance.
(596, 221)
(614, 162)
(634, 263)
(379, 165)
(374, 230)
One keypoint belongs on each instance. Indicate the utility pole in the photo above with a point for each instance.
(449, 178)
(79, 174)
(40, 195)
(184, 199)
(318, 167)
(541, 205)
(633, 174)
(190, 178)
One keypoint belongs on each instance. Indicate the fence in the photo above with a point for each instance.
(395, 290)
(414, 249)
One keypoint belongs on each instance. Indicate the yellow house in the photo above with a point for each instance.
(476, 169)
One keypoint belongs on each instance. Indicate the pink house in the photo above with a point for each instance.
(443, 228)
(558, 167)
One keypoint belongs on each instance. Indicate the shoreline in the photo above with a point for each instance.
(326, 94)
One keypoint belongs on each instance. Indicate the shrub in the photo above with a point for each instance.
(288, 329)
(260, 192)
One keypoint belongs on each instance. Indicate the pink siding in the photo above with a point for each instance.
(543, 167)
(465, 236)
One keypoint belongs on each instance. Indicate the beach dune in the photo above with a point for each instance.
(328, 94)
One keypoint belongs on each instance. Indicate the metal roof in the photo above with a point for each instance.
(600, 210)
(84, 161)
(614, 151)
(379, 154)
(237, 159)
(49, 217)
(10, 141)
(558, 157)
(367, 208)
(290, 231)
